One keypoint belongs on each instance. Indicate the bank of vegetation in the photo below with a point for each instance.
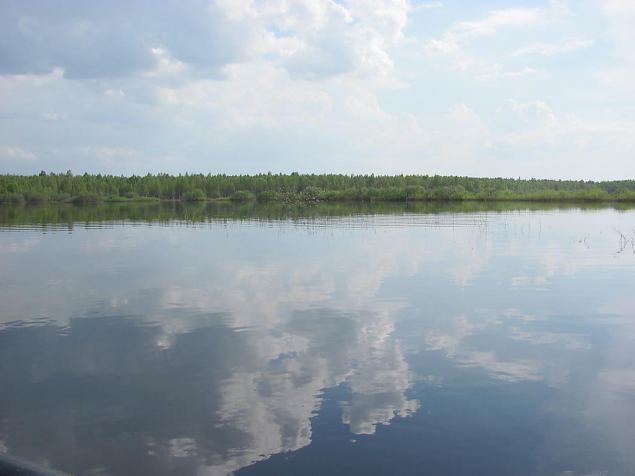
(87, 188)
(54, 214)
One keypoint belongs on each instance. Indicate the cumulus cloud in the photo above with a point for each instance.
(310, 85)
(313, 38)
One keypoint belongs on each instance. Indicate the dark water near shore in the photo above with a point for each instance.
(470, 339)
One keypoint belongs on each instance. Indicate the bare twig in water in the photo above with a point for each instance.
(626, 241)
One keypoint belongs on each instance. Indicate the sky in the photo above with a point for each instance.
(490, 88)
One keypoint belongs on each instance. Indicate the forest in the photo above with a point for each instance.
(295, 187)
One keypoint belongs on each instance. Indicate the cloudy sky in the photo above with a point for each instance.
(488, 88)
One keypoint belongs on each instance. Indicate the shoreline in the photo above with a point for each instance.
(305, 188)
(571, 199)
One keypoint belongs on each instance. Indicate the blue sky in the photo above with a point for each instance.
(488, 88)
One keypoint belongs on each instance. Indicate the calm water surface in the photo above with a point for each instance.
(267, 341)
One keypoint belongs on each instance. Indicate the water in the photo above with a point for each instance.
(167, 339)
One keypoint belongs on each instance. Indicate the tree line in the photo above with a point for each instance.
(295, 187)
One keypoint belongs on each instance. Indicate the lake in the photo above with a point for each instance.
(470, 339)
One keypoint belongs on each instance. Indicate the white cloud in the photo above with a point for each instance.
(452, 44)
(551, 49)
(322, 37)
(454, 346)
(449, 46)
(333, 38)
(618, 7)
(620, 17)
(490, 25)
(546, 127)
(313, 85)
(18, 153)
(562, 340)
(427, 5)
(510, 371)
